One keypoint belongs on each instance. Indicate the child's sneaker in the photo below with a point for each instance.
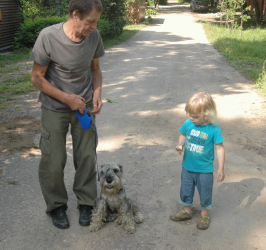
(181, 216)
(204, 222)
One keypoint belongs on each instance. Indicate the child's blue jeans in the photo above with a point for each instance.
(204, 184)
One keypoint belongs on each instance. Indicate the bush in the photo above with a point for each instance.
(30, 29)
(114, 12)
(163, 2)
(104, 28)
(31, 9)
(110, 25)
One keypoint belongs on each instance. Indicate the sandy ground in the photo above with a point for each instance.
(149, 78)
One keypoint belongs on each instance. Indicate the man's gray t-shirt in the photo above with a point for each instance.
(68, 63)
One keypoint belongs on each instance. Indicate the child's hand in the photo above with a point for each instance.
(220, 175)
(179, 148)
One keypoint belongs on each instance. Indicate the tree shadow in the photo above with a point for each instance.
(243, 193)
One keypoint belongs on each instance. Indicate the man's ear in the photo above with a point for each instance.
(75, 14)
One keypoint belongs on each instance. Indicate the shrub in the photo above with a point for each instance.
(163, 2)
(114, 12)
(30, 29)
(104, 28)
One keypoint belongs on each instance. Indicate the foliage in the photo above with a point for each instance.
(156, 2)
(229, 8)
(30, 8)
(261, 82)
(113, 12)
(163, 2)
(149, 11)
(39, 8)
(134, 10)
(150, 3)
(30, 29)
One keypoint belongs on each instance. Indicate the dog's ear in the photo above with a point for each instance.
(102, 166)
(121, 168)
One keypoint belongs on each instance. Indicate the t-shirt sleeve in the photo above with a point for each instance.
(100, 48)
(218, 137)
(183, 128)
(41, 50)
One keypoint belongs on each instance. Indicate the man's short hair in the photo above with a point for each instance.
(84, 7)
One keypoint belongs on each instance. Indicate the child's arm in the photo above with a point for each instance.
(181, 142)
(221, 159)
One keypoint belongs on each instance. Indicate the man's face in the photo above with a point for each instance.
(88, 23)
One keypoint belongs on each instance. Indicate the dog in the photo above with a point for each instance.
(113, 203)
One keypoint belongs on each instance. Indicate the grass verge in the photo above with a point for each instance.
(246, 50)
(128, 31)
(15, 68)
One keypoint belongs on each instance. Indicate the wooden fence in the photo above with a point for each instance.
(9, 22)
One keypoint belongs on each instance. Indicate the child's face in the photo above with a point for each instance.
(196, 119)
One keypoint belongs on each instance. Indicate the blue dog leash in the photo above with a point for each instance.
(85, 121)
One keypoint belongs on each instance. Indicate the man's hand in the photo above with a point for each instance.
(97, 104)
(76, 102)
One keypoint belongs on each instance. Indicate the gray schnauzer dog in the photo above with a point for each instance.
(113, 202)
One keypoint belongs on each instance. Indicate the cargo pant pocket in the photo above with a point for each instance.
(45, 143)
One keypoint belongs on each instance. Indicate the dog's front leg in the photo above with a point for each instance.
(98, 216)
(125, 217)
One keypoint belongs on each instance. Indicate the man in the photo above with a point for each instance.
(67, 71)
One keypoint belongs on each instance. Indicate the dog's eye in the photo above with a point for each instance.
(116, 170)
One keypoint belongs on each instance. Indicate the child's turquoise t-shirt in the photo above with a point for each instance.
(199, 146)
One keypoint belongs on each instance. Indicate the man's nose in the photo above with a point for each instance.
(94, 25)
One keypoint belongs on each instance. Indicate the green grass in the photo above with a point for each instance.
(246, 50)
(129, 31)
(13, 57)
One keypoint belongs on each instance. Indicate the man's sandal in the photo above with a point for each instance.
(181, 216)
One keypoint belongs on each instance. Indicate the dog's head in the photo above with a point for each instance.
(111, 177)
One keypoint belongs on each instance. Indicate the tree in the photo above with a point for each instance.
(259, 10)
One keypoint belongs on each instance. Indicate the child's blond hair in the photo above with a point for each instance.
(202, 104)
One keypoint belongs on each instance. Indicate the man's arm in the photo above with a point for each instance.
(97, 86)
(221, 159)
(75, 102)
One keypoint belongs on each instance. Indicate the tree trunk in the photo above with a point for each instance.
(259, 11)
(156, 3)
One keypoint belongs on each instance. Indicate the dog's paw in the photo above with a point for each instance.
(94, 228)
(138, 217)
(118, 221)
(130, 230)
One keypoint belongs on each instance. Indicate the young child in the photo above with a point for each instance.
(198, 136)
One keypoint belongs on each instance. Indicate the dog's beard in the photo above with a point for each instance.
(111, 188)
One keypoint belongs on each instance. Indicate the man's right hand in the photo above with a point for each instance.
(75, 102)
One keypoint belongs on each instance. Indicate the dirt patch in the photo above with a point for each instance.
(17, 135)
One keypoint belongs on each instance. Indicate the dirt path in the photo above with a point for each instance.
(150, 77)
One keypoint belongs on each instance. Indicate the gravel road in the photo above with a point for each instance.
(149, 78)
